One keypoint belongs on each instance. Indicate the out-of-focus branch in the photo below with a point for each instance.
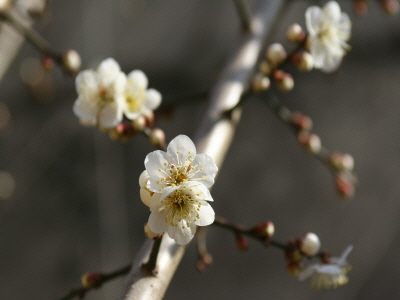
(243, 10)
(213, 137)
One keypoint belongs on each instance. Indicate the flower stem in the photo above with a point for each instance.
(151, 264)
(244, 14)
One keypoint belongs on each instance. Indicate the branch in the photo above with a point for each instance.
(213, 137)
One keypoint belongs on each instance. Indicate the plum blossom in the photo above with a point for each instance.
(101, 95)
(328, 275)
(179, 165)
(329, 30)
(179, 210)
(139, 99)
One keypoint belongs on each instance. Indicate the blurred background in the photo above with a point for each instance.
(69, 196)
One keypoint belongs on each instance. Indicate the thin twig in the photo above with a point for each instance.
(105, 277)
(244, 14)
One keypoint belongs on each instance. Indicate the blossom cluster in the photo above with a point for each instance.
(175, 186)
(107, 94)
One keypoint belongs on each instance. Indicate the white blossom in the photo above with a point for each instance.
(328, 275)
(179, 210)
(101, 95)
(310, 244)
(329, 30)
(139, 99)
(179, 165)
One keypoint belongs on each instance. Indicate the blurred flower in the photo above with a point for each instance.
(179, 165)
(179, 210)
(139, 99)
(328, 275)
(329, 30)
(101, 95)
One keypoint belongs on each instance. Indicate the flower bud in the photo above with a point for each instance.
(205, 259)
(284, 81)
(293, 268)
(342, 161)
(276, 54)
(71, 61)
(303, 61)
(48, 63)
(149, 117)
(345, 185)
(265, 67)
(310, 244)
(361, 7)
(90, 280)
(310, 141)
(266, 229)
(260, 83)
(295, 33)
(157, 137)
(139, 124)
(242, 243)
(125, 131)
(392, 7)
(301, 121)
(150, 234)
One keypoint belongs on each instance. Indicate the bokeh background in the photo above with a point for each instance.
(76, 206)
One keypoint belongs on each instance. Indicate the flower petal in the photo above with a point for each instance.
(332, 11)
(207, 169)
(181, 233)
(154, 162)
(313, 19)
(85, 110)
(206, 192)
(207, 215)
(157, 222)
(108, 70)
(139, 78)
(180, 148)
(86, 83)
(153, 99)
(110, 115)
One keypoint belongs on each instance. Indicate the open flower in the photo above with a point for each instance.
(179, 165)
(329, 30)
(101, 95)
(179, 210)
(139, 99)
(328, 275)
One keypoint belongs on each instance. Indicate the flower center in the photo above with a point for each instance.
(135, 100)
(105, 97)
(181, 205)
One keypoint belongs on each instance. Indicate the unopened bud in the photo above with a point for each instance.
(48, 63)
(303, 61)
(392, 7)
(242, 243)
(149, 117)
(157, 137)
(265, 67)
(295, 33)
(293, 268)
(284, 81)
(205, 259)
(310, 244)
(139, 124)
(266, 229)
(310, 141)
(125, 131)
(276, 54)
(342, 161)
(150, 234)
(90, 280)
(344, 185)
(361, 7)
(260, 83)
(301, 121)
(71, 61)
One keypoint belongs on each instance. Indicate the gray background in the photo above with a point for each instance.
(76, 206)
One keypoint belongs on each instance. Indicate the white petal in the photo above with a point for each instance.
(154, 162)
(343, 257)
(206, 193)
(85, 110)
(108, 71)
(145, 196)
(307, 272)
(313, 19)
(155, 202)
(110, 115)
(181, 233)
(86, 83)
(332, 11)
(180, 148)
(119, 84)
(331, 63)
(329, 269)
(207, 215)
(139, 78)
(157, 222)
(169, 190)
(344, 27)
(153, 99)
(209, 167)
(143, 178)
